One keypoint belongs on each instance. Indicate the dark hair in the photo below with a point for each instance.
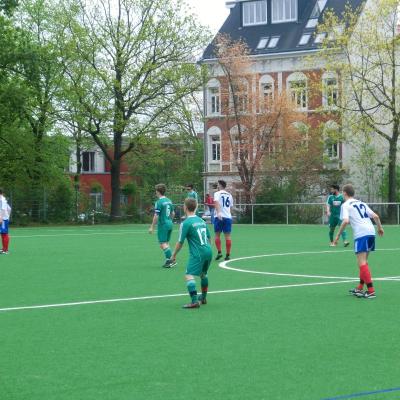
(336, 187)
(161, 188)
(349, 190)
(222, 183)
(191, 204)
(1, 191)
(190, 186)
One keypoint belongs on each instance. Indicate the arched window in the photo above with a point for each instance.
(213, 97)
(330, 90)
(331, 135)
(214, 147)
(267, 88)
(239, 96)
(297, 90)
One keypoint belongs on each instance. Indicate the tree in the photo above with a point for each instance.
(257, 124)
(363, 45)
(138, 60)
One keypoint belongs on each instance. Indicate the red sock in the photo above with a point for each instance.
(228, 243)
(5, 239)
(218, 243)
(365, 274)
(361, 284)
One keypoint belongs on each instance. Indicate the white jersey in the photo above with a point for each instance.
(359, 214)
(5, 209)
(225, 201)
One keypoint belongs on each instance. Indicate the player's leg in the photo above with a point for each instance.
(204, 281)
(194, 268)
(5, 239)
(164, 236)
(332, 226)
(344, 236)
(218, 229)
(227, 228)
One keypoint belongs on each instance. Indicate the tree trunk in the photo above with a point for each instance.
(392, 178)
(77, 177)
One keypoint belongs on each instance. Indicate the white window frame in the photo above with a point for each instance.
(331, 148)
(299, 98)
(91, 161)
(96, 199)
(252, 9)
(329, 92)
(212, 133)
(242, 97)
(283, 4)
(213, 98)
(264, 81)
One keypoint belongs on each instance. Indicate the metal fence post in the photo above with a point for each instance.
(252, 214)
(398, 214)
(287, 214)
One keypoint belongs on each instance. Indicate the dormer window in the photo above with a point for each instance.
(255, 13)
(284, 11)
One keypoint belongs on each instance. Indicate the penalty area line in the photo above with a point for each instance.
(128, 299)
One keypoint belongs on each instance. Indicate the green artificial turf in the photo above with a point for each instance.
(290, 343)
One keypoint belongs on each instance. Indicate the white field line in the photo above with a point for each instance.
(223, 264)
(80, 303)
(78, 234)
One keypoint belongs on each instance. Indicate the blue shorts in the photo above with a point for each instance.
(224, 225)
(4, 226)
(364, 244)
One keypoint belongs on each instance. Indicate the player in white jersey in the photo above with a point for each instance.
(223, 202)
(5, 211)
(359, 215)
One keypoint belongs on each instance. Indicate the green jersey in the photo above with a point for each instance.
(164, 209)
(192, 195)
(195, 230)
(335, 202)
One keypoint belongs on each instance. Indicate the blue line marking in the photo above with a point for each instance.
(351, 396)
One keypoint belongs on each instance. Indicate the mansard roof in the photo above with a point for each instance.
(289, 33)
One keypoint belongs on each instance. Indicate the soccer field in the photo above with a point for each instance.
(88, 313)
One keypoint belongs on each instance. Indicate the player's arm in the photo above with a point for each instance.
(177, 249)
(328, 208)
(153, 223)
(217, 208)
(345, 222)
(179, 243)
(378, 223)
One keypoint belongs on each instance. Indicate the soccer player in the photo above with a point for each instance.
(5, 210)
(223, 202)
(333, 205)
(191, 193)
(195, 230)
(163, 215)
(358, 215)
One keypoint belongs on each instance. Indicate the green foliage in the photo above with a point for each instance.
(60, 202)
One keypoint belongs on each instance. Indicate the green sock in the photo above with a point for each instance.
(204, 286)
(331, 234)
(344, 236)
(167, 253)
(191, 287)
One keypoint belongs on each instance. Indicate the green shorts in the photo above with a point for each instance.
(334, 221)
(164, 233)
(199, 265)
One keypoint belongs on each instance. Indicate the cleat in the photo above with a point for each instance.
(369, 295)
(219, 256)
(332, 244)
(345, 244)
(192, 305)
(356, 292)
(201, 300)
(169, 264)
(227, 258)
(3, 252)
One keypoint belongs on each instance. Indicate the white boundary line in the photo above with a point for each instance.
(223, 265)
(80, 303)
(78, 234)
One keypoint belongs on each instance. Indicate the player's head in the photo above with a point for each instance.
(190, 205)
(222, 184)
(334, 188)
(189, 187)
(161, 189)
(348, 191)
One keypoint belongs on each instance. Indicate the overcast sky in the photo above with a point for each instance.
(211, 12)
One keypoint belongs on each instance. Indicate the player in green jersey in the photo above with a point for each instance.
(163, 215)
(195, 230)
(333, 206)
(192, 194)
